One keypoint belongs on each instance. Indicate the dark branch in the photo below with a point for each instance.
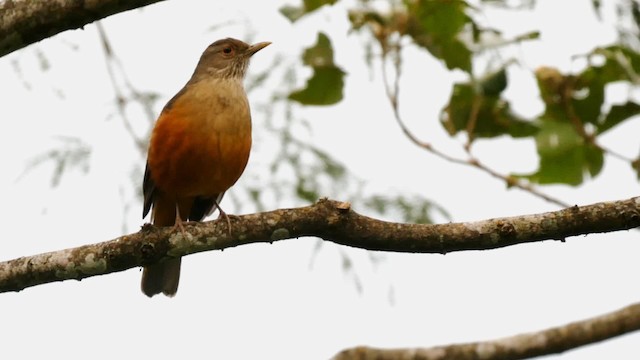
(550, 341)
(329, 220)
(24, 22)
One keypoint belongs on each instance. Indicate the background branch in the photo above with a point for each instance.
(24, 22)
(550, 341)
(329, 220)
(392, 90)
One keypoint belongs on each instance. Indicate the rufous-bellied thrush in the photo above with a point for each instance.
(199, 148)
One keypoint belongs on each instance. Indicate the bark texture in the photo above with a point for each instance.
(550, 341)
(24, 22)
(330, 220)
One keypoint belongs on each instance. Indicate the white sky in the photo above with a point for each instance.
(266, 301)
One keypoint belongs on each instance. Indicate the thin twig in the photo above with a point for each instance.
(144, 100)
(392, 92)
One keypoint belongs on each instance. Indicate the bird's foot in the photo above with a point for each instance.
(179, 224)
(224, 215)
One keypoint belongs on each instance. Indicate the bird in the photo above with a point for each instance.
(199, 148)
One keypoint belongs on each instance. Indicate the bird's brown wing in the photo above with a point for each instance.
(148, 191)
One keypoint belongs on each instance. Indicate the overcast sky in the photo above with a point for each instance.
(288, 300)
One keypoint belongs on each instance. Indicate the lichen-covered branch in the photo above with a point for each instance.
(24, 22)
(550, 341)
(326, 219)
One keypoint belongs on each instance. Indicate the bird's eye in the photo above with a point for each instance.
(227, 50)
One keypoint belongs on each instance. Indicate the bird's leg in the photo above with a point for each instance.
(178, 225)
(222, 214)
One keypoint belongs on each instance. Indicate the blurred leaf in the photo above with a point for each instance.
(411, 209)
(71, 153)
(635, 165)
(597, 8)
(327, 82)
(456, 55)
(476, 32)
(45, 65)
(493, 116)
(594, 159)
(635, 12)
(551, 83)
(588, 94)
(495, 83)
(320, 54)
(579, 99)
(532, 35)
(435, 25)
(306, 191)
(618, 114)
(256, 199)
(294, 13)
(329, 165)
(564, 155)
(323, 88)
(442, 19)
(619, 62)
(565, 151)
(359, 18)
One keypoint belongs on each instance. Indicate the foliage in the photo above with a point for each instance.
(325, 86)
(576, 113)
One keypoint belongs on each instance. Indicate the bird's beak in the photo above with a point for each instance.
(257, 47)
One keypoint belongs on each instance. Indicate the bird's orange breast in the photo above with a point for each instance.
(201, 142)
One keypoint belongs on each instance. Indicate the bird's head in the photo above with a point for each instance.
(227, 58)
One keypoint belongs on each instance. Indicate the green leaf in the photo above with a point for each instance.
(619, 59)
(594, 159)
(320, 54)
(493, 115)
(323, 88)
(564, 155)
(456, 55)
(588, 94)
(618, 114)
(327, 82)
(435, 25)
(294, 13)
(455, 115)
(495, 83)
(442, 19)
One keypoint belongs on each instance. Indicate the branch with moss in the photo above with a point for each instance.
(330, 220)
(546, 342)
(24, 22)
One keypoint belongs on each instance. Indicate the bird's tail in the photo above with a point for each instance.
(164, 276)
(161, 278)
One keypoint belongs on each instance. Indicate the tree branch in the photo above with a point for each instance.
(329, 220)
(24, 22)
(550, 341)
